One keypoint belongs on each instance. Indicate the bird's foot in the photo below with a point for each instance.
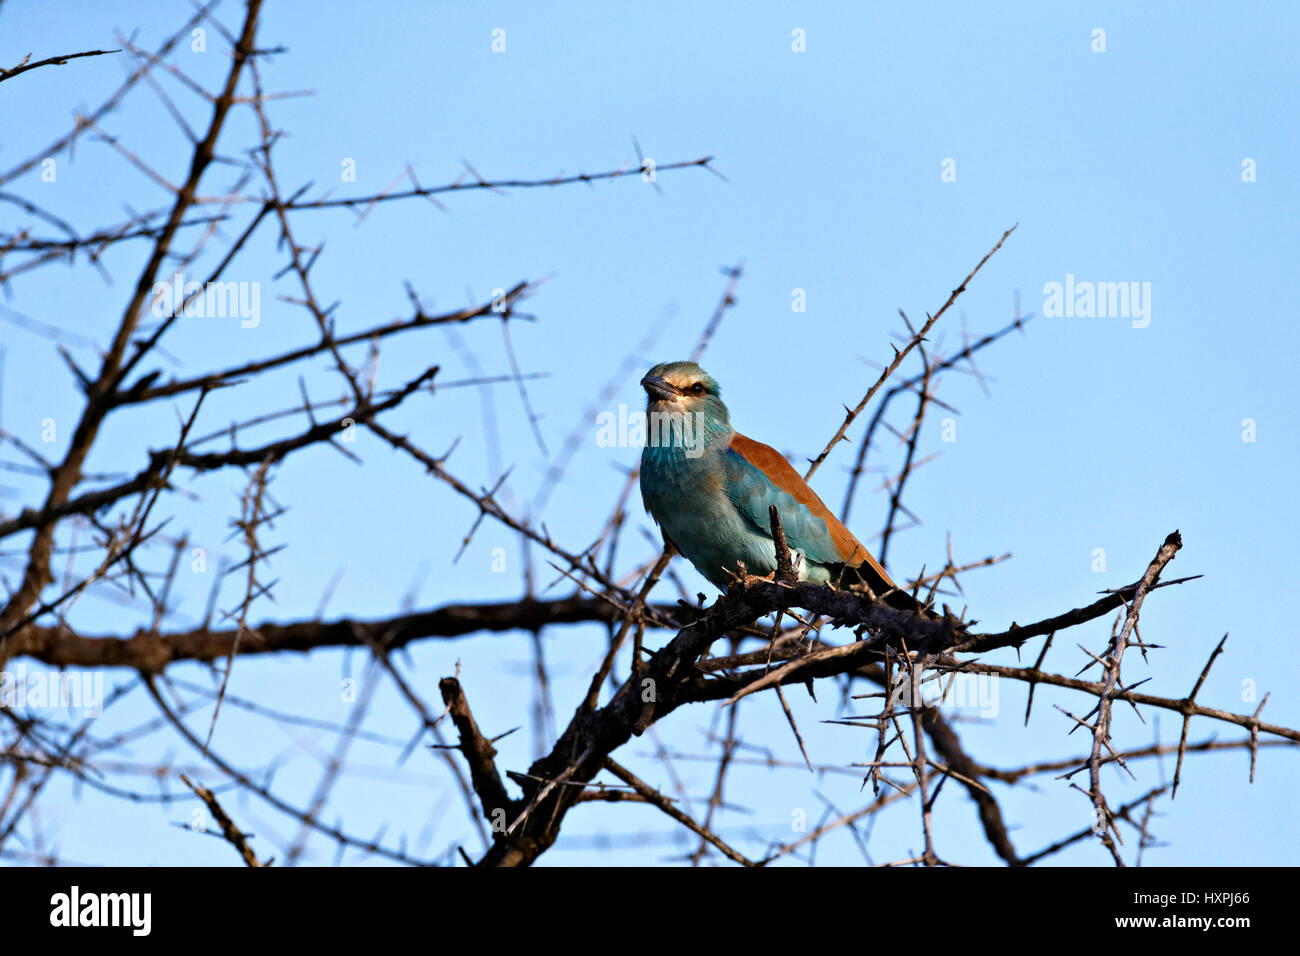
(744, 578)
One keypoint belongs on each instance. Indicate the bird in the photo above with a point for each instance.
(709, 488)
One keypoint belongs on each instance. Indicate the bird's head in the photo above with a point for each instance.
(682, 387)
(675, 389)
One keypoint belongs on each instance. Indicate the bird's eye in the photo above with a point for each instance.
(698, 388)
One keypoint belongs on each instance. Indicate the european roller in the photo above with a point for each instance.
(709, 488)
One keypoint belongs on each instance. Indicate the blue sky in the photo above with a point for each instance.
(1119, 166)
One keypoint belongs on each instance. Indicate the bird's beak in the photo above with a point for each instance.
(659, 389)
